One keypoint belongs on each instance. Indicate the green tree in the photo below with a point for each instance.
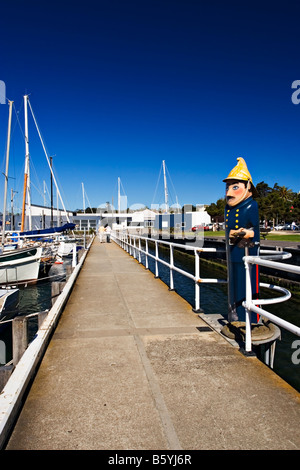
(216, 210)
(263, 189)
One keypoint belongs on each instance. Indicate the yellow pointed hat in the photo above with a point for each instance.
(240, 172)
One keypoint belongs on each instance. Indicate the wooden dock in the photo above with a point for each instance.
(131, 366)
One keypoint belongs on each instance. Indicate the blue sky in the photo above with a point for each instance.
(118, 86)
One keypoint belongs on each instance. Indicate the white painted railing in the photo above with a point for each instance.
(266, 258)
(133, 245)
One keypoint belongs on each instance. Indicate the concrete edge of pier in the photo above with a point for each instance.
(12, 394)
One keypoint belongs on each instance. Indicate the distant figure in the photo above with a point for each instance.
(241, 231)
(108, 231)
(101, 232)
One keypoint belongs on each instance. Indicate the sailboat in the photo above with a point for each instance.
(26, 193)
(18, 265)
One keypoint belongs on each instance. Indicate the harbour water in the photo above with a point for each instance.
(214, 301)
(36, 298)
(33, 298)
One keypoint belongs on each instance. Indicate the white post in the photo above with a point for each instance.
(156, 259)
(171, 267)
(146, 262)
(140, 247)
(248, 342)
(130, 245)
(197, 286)
(74, 256)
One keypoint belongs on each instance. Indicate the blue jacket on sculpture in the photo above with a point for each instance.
(242, 233)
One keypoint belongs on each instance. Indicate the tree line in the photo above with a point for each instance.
(278, 204)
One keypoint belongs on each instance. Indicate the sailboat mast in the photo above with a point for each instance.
(119, 196)
(47, 158)
(83, 198)
(165, 186)
(51, 196)
(26, 190)
(6, 170)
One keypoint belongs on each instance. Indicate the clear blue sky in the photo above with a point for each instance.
(117, 86)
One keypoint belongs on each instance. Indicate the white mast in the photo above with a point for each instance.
(27, 163)
(44, 183)
(119, 196)
(6, 171)
(83, 198)
(47, 158)
(165, 186)
(58, 212)
(26, 191)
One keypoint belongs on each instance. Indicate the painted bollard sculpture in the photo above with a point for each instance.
(242, 233)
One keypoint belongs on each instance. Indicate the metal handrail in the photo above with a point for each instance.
(266, 258)
(128, 242)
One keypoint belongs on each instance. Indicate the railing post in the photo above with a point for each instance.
(20, 337)
(130, 245)
(156, 259)
(146, 260)
(140, 247)
(248, 342)
(197, 285)
(74, 257)
(171, 267)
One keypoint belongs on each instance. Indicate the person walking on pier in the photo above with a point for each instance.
(101, 234)
(108, 232)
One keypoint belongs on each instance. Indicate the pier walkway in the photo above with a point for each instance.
(131, 366)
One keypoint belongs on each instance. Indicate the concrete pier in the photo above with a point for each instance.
(132, 367)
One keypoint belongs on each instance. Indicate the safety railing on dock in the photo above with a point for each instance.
(267, 258)
(133, 245)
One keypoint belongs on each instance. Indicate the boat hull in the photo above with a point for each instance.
(20, 266)
(9, 300)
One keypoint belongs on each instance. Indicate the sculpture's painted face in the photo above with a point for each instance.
(236, 192)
